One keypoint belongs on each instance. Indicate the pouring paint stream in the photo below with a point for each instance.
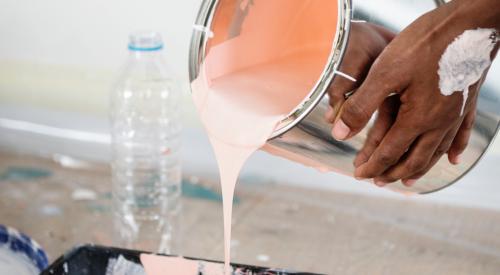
(262, 58)
(235, 138)
(259, 66)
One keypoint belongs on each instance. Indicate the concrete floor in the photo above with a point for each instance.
(275, 225)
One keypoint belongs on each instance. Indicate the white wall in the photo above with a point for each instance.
(63, 54)
(92, 32)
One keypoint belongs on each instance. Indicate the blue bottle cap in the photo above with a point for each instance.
(145, 41)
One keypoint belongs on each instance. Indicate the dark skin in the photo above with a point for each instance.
(366, 42)
(419, 125)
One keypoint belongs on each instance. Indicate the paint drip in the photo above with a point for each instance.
(464, 62)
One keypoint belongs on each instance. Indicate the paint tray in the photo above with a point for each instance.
(93, 260)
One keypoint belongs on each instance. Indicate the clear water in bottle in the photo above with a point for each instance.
(145, 129)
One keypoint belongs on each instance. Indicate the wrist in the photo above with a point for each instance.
(473, 14)
(458, 16)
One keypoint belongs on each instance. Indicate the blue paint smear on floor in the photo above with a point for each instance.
(198, 191)
(191, 190)
(17, 173)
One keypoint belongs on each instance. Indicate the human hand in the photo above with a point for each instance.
(366, 42)
(427, 124)
(386, 117)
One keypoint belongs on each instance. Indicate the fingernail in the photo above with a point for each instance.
(358, 172)
(409, 182)
(456, 160)
(379, 183)
(329, 114)
(340, 130)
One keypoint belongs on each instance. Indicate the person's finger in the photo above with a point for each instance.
(356, 111)
(356, 64)
(463, 135)
(386, 116)
(440, 151)
(337, 91)
(394, 145)
(340, 87)
(330, 113)
(462, 138)
(386, 34)
(416, 159)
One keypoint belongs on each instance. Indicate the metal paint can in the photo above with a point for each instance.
(305, 135)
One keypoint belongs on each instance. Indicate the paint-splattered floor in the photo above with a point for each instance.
(274, 225)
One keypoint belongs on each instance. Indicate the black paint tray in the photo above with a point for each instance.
(93, 260)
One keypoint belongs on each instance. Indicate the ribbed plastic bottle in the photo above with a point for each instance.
(146, 167)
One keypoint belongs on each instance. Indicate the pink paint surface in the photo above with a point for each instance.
(262, 62)
(158, 265)
(163, 265)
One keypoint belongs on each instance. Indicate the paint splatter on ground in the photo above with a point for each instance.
(263, 258)
(50, 210)
(17, 173)
(193, 189)
(83, 195)
(98, 208)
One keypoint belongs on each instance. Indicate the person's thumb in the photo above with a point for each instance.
(359, 108)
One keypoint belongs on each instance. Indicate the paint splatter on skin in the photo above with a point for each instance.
(464, 62)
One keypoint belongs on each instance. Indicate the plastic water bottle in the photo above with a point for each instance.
(145, 130)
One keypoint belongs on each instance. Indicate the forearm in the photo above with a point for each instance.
(472, 14)
(487, 15)
(446, 23)
(479, 13)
